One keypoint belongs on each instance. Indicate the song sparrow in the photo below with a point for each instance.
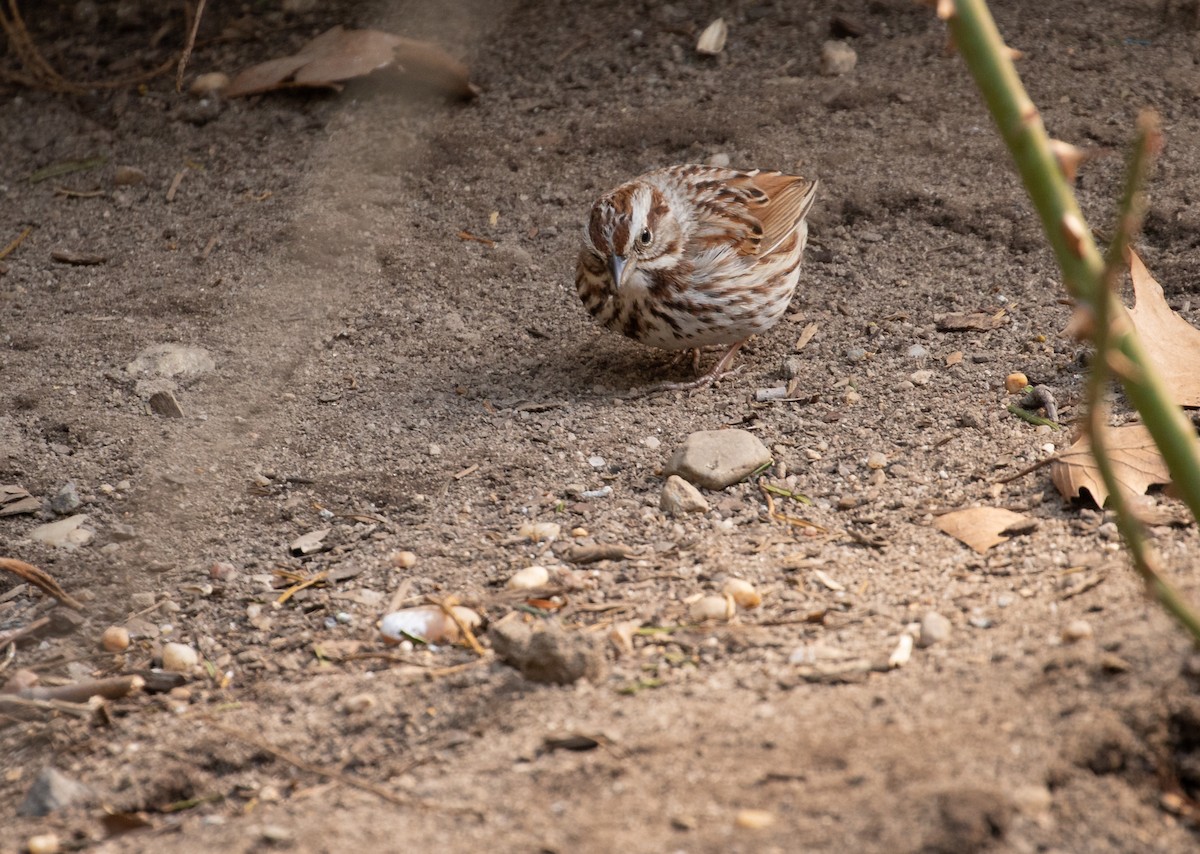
(691, 256)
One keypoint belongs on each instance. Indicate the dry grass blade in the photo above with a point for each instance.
(12, 247)
(41, 580)
(447, 606)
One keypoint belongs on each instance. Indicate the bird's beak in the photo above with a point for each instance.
(616, 266)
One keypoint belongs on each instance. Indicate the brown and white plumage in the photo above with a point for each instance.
(691, 256)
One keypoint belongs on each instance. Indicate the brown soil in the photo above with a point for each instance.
(435, 393)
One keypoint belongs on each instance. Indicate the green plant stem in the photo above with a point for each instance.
(1092, 281)
(1083, 268)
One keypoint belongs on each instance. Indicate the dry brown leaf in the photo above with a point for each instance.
(339, 54)
(983, 527)
(806, 335)
(1136, 462)
(1171, 343)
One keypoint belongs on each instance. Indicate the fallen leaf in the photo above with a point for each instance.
(339, 54)
(983, 527)
(806, 335)
(1136, 462)
(1171, 343)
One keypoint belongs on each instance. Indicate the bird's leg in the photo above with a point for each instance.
(720, 369)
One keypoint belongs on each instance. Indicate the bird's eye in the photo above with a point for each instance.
(645, 237)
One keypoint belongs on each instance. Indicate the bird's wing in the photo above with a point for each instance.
(780, 203)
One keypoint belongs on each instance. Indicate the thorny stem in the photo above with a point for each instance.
(1089, 279)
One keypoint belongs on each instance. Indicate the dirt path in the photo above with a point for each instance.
(375, 374)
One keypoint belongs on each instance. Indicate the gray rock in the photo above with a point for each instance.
(543, 652)
(793, 366)
(679, 496)
(66, 500)
(53, 790)
(934, 629)
(172, 360)
(715, 459)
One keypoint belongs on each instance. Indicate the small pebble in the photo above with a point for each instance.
(720, 158)
(855, 354)
(66, 500)
(743, 593)
(128, 176)
(43, 843)
(208, 84)
(679, 496)
(934, 629)
(876, 460)
(712, 608)
(1076, 630)
(916, 351)
(597, 462)
(529, 578)
(179, 658)
(921, 377)
(652, 442)
(1015, 383)
(403, 559)
(754, 819)
(115, 639)
(359, 703)
(222, 571)
(837, 58)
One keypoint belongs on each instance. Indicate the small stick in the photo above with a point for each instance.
(175, 182)
(189, 45)
(447, 606)
(296, 588)
(80, 692)
(466, 235)
(17, 634)
(41, 580)
(10, 248)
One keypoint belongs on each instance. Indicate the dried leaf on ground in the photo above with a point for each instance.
(339, 54)
(712, 40)
(1171, 343)
(970, 321)
(1136, 462)
(983, 527)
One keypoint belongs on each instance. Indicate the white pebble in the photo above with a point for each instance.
(921, 377)
(529, 578)
(712, 608)
(743, 592)
(179, 657)
(597, 462)
(1076, 630)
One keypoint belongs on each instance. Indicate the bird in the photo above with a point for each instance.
(692, 256)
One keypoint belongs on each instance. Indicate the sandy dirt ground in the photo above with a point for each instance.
(365, 369)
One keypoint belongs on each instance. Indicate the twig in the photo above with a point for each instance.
(80, 692)
(41, 580)
(17, 634)
(447, 606)
(189, 45)
(296, 588)
(10, 248)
